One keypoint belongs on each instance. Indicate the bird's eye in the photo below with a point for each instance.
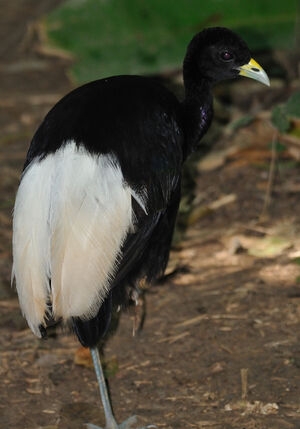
(226, 56)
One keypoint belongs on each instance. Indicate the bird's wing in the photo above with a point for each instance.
(72, 215)
(144, 253)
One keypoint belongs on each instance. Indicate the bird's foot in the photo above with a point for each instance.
(127, 424)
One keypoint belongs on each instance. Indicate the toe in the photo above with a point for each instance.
(149, 427)
(128, 423)
(91, 426)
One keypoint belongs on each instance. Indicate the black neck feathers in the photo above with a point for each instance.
(198, 103)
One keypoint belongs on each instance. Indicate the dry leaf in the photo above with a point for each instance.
(83, 357)
(257, 407)
(269, 247)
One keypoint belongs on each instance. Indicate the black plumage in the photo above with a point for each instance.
(140, 121)
(150, 133)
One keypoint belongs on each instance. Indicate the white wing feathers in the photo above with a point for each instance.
(72, 214)
(31, 249)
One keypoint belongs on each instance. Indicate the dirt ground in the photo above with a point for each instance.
(220, 344)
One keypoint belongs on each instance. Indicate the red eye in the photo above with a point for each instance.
(226, 56)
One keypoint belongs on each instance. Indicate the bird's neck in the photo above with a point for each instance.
(197, 108)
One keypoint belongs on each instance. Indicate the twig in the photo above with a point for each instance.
(191, 321)
(244, 379)
(172, 339)
(267, 200)
(9, 304)
(201, 317)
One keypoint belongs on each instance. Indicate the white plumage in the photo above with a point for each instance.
(72, 214)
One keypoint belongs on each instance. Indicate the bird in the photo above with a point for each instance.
(98, 197)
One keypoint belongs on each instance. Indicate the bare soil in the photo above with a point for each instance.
(220, 344)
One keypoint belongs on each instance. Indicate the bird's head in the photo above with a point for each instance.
(216, 54)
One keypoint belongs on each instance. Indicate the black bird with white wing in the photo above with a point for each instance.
(97, 203)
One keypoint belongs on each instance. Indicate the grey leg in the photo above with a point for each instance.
(109, 417)
(110, 422)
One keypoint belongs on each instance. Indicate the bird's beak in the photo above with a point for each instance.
(254, 71)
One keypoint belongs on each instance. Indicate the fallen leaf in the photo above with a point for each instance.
(269, 247)
(212, 161)
(83, 357)
(217, 367)
(256, 407)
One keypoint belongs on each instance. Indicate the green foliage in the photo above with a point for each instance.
(279, 119)
(295, 132)
(292, 106)
(144, 36)
(242, 122)
(111, 368)
(279, 147)
(281, 114)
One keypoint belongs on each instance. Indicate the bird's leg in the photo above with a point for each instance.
(110, 422)
(109, 417)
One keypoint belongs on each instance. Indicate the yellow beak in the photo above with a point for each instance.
(254, 71)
